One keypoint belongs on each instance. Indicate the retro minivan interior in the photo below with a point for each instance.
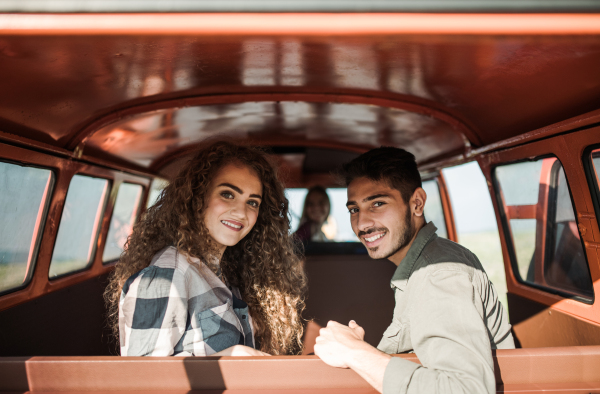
(102, 104)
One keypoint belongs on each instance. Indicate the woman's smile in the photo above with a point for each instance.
(233, 225)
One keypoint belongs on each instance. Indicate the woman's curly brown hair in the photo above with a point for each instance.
(265, 265)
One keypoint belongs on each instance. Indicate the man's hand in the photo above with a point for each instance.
(336, 342)
(240, 351)
(344, 347)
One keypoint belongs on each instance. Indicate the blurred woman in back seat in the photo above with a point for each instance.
(210, 268)
(317, 207)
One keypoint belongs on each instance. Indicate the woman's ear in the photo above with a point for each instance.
(417, 201)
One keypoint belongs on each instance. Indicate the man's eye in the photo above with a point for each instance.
(227, 195)
(353, 210)
(378, 203)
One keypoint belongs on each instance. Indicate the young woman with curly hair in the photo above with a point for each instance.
(210, 268)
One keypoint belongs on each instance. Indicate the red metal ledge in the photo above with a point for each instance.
(561, 369)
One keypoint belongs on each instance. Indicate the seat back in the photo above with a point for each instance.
(349, 287)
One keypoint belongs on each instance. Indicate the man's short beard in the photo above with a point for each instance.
(404, 238)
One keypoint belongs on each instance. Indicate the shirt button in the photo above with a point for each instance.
(244, 317)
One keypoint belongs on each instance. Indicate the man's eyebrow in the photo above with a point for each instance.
(240, 191)
(370, 198)
(375, 196)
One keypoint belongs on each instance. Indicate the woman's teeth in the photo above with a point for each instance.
(230, 224)
(375, 237)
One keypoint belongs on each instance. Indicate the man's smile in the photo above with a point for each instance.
(374, 239)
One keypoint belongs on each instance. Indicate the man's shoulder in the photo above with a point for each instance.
(441, 253)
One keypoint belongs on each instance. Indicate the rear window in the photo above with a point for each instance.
(540, 222)
(123, 218)
(337, 227)
(75, 244)
(24, 196)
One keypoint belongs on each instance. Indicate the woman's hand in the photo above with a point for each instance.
(240, 351)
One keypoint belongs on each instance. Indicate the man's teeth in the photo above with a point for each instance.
(230, 224)
(375, 237)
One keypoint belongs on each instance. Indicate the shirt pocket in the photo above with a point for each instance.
(220, 328)
(397, 338)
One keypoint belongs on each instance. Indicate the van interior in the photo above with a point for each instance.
(99, 110)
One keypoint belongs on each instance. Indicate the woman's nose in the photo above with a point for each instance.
(238, 210)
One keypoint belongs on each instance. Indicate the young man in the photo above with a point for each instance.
(447, 310)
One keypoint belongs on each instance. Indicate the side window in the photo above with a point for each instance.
(24, 196)
(475, 220)
(434, 211)
(79, 224)
(156, 187)
(123, 218)
(540, 222)
(596, 162)
(595, 173)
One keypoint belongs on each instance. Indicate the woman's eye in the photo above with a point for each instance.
(253, 203)
(227, 195)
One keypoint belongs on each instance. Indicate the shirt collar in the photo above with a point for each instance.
(405, 268)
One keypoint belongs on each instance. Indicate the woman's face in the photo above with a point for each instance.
(232, 205)
(317, 207)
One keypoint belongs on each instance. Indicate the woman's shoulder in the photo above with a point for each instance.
(170, 258)
(169, 267)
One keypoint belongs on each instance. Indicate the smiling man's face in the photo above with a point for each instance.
(380, 218)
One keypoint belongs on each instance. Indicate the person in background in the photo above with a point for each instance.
(314, 214)
(210, 268)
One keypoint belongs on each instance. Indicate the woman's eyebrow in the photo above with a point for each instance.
(240, 191)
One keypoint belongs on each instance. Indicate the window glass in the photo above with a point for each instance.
(434, 211)
(541, 219)
(475, 221)
(79, 224)
(596, 168)
(156, 187)
(337, 228)
(596, 162)
(24, 192)
(123, 218)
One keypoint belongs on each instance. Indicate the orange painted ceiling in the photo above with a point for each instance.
(144, 88)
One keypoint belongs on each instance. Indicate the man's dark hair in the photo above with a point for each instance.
(395, 166)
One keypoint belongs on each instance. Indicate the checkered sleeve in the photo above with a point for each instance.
(153, 312)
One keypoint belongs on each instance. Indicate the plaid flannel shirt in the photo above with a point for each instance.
(176, 308)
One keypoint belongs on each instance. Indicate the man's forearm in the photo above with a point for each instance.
(369, 363)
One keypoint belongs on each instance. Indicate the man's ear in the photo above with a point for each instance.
(417, 201)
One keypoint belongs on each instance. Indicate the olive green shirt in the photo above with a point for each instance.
(447, 312)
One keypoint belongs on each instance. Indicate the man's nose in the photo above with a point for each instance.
(364, 221)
